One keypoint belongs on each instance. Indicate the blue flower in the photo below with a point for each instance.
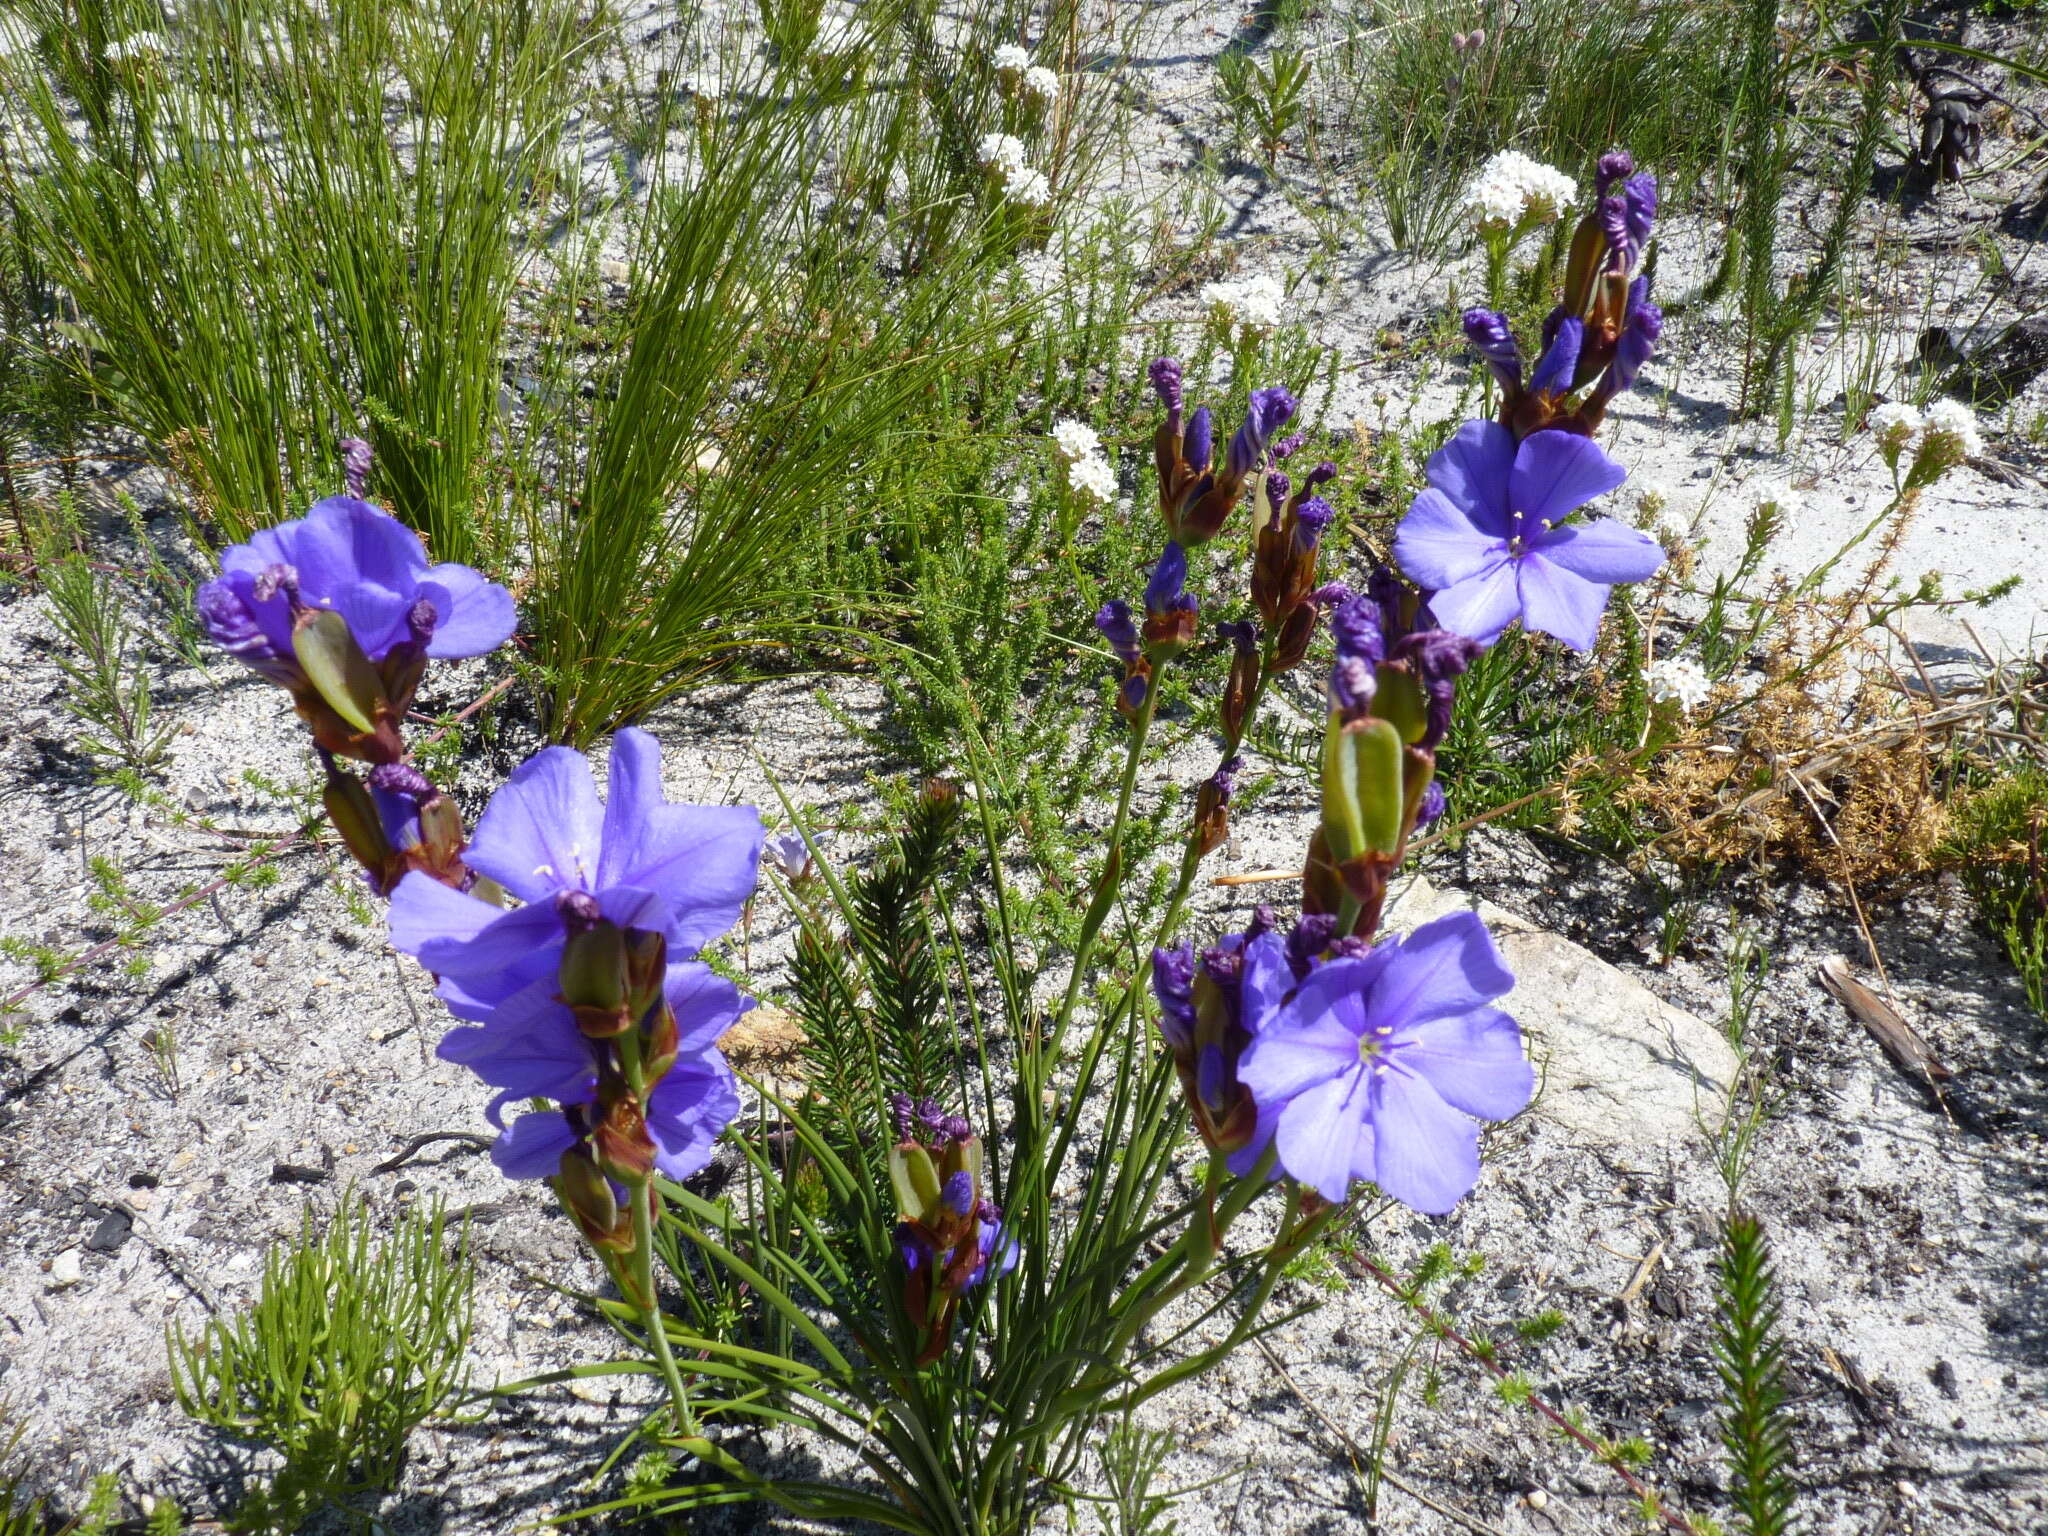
(1378, 1065)
(684, 871)
(362, 563)
(1488, 538)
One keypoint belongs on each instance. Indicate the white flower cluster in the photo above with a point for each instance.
(1943, 438)
(1094, 478)
(1652, 497)
(1779, 499)
(1676, 680)
(1089, 472)
(1511, 187)
(1951, 427)
(1042, 83)
(1076, 440)
(1003, 155)
(1009, 59)
(1252, 301)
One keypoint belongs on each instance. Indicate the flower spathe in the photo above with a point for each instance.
(1488, 538)
(1379, 1066)
(684, 871)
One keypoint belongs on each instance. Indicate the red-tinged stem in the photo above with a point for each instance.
(1650, 1497)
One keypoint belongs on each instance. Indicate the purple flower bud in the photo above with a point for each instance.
(1277, 487)
(1487, 330)
(273, 579)
(1173, 977)
(1614, 224)
(1114, 619)
(1242, 634)
(1638, 338)
(1439, 659)
(1134, 692)
(1641, 194)
(1270, 410)
(1333, 594)
(900, 1109)
(355, 465)
(1350, 947)
(1322, 474)
(402, 779)
(1613, 165)
(1166, 383)
(1357, 628)
(957, 1195)
(1310, 519)
(1311, 936)
(1164, 592)
(1432, 804)
(1560, 360)
(1224, 965)
(1225, 778)
(1288, 446)
(1263, 920)
(1200, 441)
(1352, 685)
(955, 1128)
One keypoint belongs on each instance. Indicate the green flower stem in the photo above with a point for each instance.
(1111, 878)
(641, 1193)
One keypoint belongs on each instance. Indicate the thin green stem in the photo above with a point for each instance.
(642, 1257)
(1113, 864)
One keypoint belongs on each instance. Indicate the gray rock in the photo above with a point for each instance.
(1619, 1067)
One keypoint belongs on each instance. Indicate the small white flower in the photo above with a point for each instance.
(1511, 187)
(1779, 499)
(1076, 440)
(1652, 497)
(1042, 83)
(1094, 478)
(1893, 421)
(1028, 187)
(1252, 301)
(791, 853)
(1951, 428)
(136, 46)
(1002, 153)
(1679, 681)
(1009, 59)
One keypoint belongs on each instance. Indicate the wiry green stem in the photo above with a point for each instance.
(642, 1257)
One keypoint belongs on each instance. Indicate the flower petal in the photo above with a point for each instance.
(531, 1046)
(1425, 1154)
(363, 543)
(1603, 550)
(1558, 472)
(1267, 978)
(1474, 1062)
(541, 832)
(473, 615)
(1439, 544)
(1295, 1053)
(533, 1148)
(705, 859)
(499, 958)
(632, 796)
(1324, 1137)
(687, 1111)
(1481, 606)
(424, 911)
(1473, 470)
(705, 1005)
(1559, 603)
(1443, 969)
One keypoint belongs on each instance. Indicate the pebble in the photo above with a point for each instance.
(1538, 1500)
(65, 1270)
